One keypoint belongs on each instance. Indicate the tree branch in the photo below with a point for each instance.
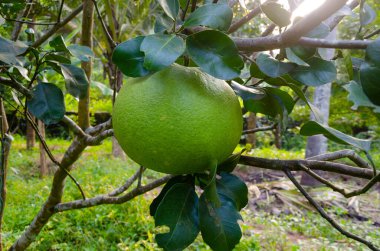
(260, 129)
(106, 199)
(325, 215)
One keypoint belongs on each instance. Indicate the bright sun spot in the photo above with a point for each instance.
(304, 8)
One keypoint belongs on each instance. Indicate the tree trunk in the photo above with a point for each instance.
(251, 124)
(30, 135)
(43, 164)
(277, 136)
(317, 144)
(86, 40)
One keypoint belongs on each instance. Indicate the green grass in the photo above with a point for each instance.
(129, 226)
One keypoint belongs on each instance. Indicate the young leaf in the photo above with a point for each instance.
(234, 188)
(161, 50)
(83, 53)
(358, 97)
(129, 58)
(373, 52)
(9, 51)
(369, 79)
(215, 16)
(272, 67)
(175, 180)
(218, 225)
(179, 211)
(320, 72)
(311, 128)
(276, 13)
(106, 91)
(58, 44)
(47, 103)
(171, 7)
(76, 80)
(215, 53)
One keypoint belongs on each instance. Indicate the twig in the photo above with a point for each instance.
(126, 185)
(73, 126)
(193, 5)
(113, 43)
(260, 129)
(372, 34)
(97, 140)
(239, 23)
(268, 30)
(350, 154)
(185, 10)
(60, 11)
(142, 169)
(325, 215)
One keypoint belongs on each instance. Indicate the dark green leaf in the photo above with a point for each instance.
(311, 128)
(321, 31)
(247, 93)
(175, 180)
(229, 164)
(219, 226)
(215, 53)
(58, 44)
(162, 23)
(320, 72)
(276, 102)
(171, 7)
(130, 59)
(161, 50)
(216, 16)
(255, 71)
(47, 103)
(272, 67)
(76, 80)
(367, 15)
(373, 52)
(57, 59)
(234, 188)
(298, 54)
(83, 53)
(369, 79)
(276, 13)
(179, 211)
(358, 97)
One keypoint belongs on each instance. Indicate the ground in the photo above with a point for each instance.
(277, 217)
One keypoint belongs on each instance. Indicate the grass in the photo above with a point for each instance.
(129, 226)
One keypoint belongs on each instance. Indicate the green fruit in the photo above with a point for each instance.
(178, 120)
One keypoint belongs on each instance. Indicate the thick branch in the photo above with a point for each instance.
(17, 86)
(275, 42)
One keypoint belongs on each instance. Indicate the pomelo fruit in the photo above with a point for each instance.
(178, 120)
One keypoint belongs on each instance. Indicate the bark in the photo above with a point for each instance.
(86, 40)
(43, 162)
(30, 136)
(277, 136)
(251, 124)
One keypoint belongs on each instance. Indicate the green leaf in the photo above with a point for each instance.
(367, 15)
(369, 79)
(57, 59)
(215, 53)
(171, 7)
(161, 50)
(358, 97)
(129, 58)
(47, 103)
(58, 44)
(311, 128)
(255, 71)
(215, 16)
(276, 13)
(320, 72)
(230, 163)
(76, 80)
(179, 211)
(218, 225)
(298, 54)
(175, 180)
(272, 67)
(234, 188)
(276, 102)
(106, 91)
(321, 31)
(373, 52)
(247, 93)
(83, 53)
(9, 51)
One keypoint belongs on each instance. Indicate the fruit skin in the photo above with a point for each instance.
(178, 120)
